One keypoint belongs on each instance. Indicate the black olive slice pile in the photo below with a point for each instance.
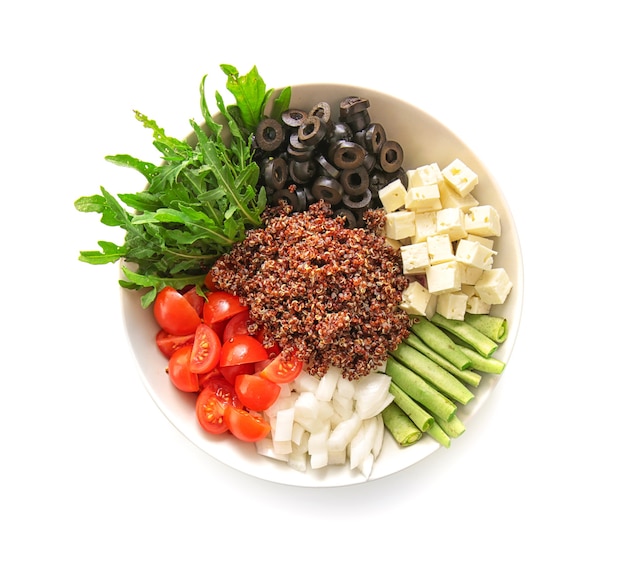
(308, 156)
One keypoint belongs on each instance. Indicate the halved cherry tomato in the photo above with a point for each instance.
(281, 369)
(256, 392)
(205, 352)
(273, 349)
(220, 306)
(208, 282)
(236, 325)
(245, 425)
(214, 399)
(231, 372)
(179, 372)
(195, 299)
(174, 313)
(242, 349)
(168, 343)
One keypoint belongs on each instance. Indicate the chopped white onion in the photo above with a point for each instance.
(319, 422)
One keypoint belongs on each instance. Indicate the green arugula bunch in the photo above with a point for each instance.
(199, 201)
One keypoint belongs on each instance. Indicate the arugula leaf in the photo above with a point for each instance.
(198, 202)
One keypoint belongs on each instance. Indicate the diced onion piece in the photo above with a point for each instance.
(283, 425)
(343, 433)
(372, 394)
(265, 447)
(328, 384)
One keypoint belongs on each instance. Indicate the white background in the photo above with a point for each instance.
(92, 474)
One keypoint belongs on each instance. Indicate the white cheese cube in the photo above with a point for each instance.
(483, 220)
(470, 274)
(450, 198)
(422, 198)
(460, 177)
(452, 305)
(439, 249)
(425, 226)
(393, 243)
(400, 224)
(444, 277)
(418, 301)
(415, 258)
(477, 306)
(451, 221)
(493, 286)
(482, 240)
(474, 254)
(392, 196)
(425, 175)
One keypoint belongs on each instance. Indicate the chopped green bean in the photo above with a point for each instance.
(494, 327)
(467, 333)
(439, 342)
(400, 426)
(414, 411)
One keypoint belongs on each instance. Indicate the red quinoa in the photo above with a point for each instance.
(326, 293)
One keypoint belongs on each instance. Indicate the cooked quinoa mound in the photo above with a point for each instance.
(325, 293)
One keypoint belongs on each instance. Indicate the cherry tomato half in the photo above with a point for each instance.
(220, 306)
(236, 325)
(231, 372)
(195, 299)
(205, 353)
(242, 349)
(281, 369)
(245, 425)
(256, 392)
(174, 313)
(179, 372)
(168, 343)
(214, 399)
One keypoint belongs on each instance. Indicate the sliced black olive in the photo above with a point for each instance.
(302, 172)
(357, 203)
(298, 151)
(352, 105)
(354, 182)
(326, 168)
(339, 131)
(269, 134)
(378, 180)
(312, 131)
(391, 156)
(323, 112)
(328, 189)
(375, 137)
(293, 117)
(369, 162)
(275, 172)
(348, 215)
(346, 154)
(359, 120)
(294, 197)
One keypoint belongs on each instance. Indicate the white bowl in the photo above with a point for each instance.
(424, 141)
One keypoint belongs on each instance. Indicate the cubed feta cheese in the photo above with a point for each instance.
(451, 221)
(415, 258)
(483, 220)
(418, 301)
(452, 305)
(422, 198)
(425, 226)
(439, 249)
(474, 254)
(470, 274)
(400, 224)
(444, 277)
(425, 175)
(450, 198)
(482, 240)
(392, 196)
(494, 286)
(460, 177)
(477, 306)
